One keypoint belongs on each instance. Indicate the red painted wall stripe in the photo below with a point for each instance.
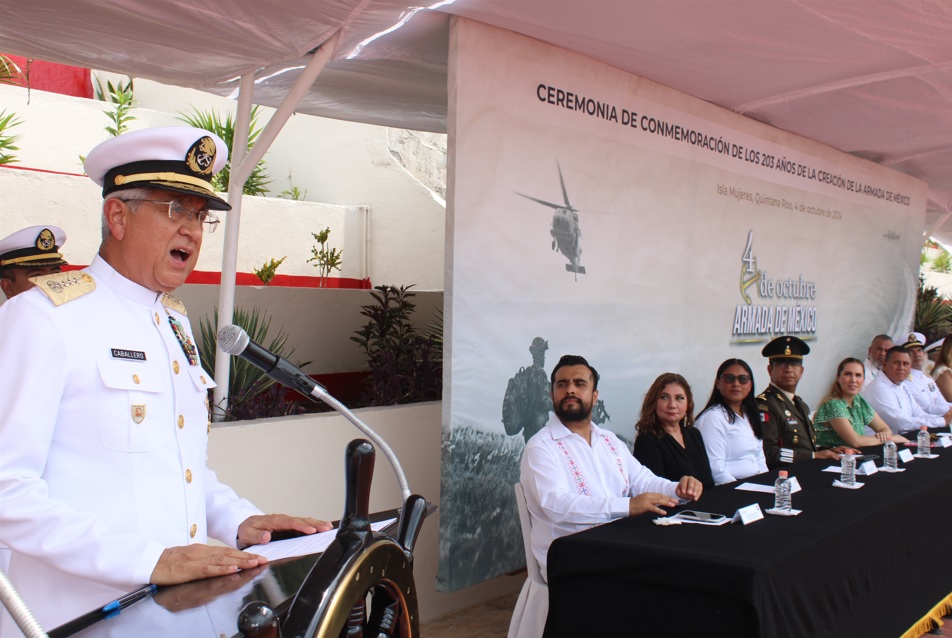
(279, 281)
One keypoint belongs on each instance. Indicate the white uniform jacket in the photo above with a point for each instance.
(571, 486)
(103, 438)
(926, 393)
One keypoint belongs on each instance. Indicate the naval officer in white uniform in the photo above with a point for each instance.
(103, 406)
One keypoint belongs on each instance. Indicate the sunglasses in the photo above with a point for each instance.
(742, 379)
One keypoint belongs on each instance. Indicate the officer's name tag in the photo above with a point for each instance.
(905, 456)
(130, 355)
(749, 514)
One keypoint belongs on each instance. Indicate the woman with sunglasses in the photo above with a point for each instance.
(730, 425)
(668, 444)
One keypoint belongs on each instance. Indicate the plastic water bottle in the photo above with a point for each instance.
(848, 469)
(923, 440)
(889, 455)
(782, 498)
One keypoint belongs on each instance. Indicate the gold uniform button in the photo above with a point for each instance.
(202, 377)
(188, 476)
(135, 379)
(181, 421)
(175, 366)
(193, 530)
(156, 318)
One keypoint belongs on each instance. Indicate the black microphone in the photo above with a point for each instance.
(235, 341)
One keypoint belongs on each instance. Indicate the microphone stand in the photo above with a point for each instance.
(322, 394)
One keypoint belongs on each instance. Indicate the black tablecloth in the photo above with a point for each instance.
(867, 562)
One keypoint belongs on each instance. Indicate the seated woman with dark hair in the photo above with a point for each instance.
(730, 425)
(667, 443)
(843, 415)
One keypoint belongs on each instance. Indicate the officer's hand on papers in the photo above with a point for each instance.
(191, 562)
(650, 502)
(256, 530)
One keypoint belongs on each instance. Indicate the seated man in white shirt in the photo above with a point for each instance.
(875, 356)
(577, 475)
(893, 400)
(922, 386)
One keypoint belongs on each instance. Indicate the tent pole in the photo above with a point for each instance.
(229, 261)
(290, 102)
(242, 164)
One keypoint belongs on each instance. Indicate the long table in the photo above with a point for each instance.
(869, 562)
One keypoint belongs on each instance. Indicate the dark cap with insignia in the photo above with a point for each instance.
(33, 246)
(914, 340)
(786, 347)
(174, 158)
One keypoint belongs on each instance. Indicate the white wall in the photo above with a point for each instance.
(318, 322)
(295, 465)
(339, 163)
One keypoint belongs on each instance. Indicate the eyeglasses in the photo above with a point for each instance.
(742, 379)
(180, 213)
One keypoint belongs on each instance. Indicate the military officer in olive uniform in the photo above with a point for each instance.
(785, 417)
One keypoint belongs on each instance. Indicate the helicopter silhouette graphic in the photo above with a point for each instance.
(565, 231)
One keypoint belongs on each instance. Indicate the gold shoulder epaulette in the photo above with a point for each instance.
(762, 396)
(172, 303)
(65, 286)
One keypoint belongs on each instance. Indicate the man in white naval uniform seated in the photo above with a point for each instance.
(577, 475)
(892, 399)
(922, 386)
(104, 414)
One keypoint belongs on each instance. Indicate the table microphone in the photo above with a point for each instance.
(235, 341)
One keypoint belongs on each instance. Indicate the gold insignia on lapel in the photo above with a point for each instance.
(172, 303)
(64, 286)
(138, 412)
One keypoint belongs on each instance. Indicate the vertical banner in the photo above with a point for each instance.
(594, 212)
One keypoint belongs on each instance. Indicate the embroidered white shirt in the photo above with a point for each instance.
(571, 486)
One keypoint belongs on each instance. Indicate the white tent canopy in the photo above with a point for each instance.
(871, 77)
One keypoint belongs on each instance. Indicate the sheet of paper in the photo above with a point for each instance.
(766, 489)
(754, 487)
(303, 545)
(860, 471)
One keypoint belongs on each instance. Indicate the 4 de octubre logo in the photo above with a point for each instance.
(756, 322)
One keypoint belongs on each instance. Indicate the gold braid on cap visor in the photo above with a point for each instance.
(121, 180)
(20, 260)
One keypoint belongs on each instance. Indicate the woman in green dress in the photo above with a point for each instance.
(843, 415)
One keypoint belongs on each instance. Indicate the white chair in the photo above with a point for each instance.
(532, 606)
